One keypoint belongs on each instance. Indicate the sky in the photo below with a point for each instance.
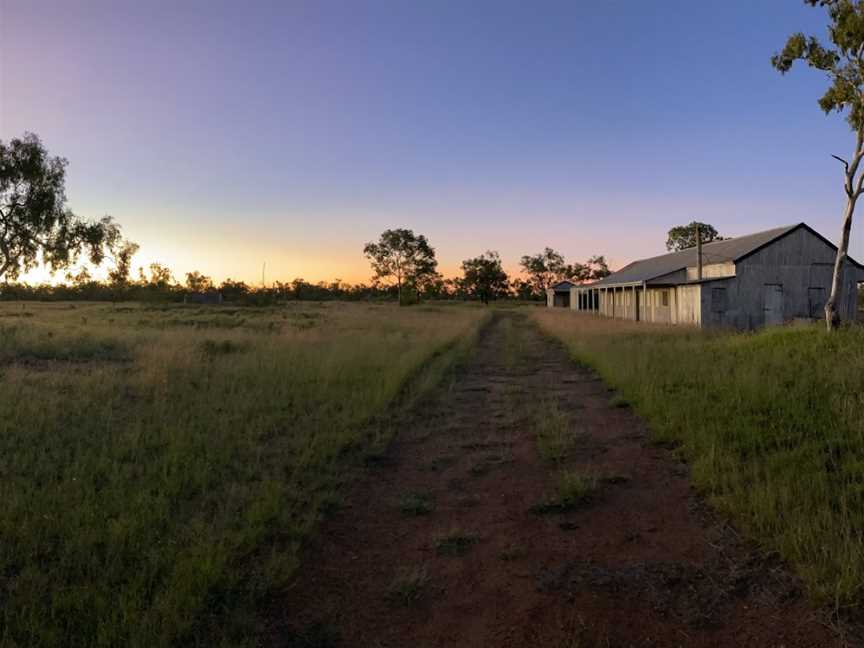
(223, 135)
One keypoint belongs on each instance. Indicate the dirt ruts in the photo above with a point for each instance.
(445, 542)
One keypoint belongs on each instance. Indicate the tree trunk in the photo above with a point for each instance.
(399, 286)
(832, 316)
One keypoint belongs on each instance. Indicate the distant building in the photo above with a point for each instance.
(746, 282)
(203, 298)
(558, 296)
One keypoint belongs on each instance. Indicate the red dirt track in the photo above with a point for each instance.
(643, 563)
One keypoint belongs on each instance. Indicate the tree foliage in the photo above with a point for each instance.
(35, 224)
(405, 259)
(198, 283)
(484, 277)
(547, 268)
(596, 268)
(842, 61)
(119, 275)
(682, 237)
(544, 269)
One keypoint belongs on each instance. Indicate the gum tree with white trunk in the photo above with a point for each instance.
(842, 61)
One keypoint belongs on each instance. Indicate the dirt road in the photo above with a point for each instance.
(455, 537)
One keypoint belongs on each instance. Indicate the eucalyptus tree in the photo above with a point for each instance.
(35, 224)
(842, 62)
(404, 258)
(484, 277)
(682, 237)
(544, 269)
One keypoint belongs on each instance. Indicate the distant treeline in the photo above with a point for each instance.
(162, 289)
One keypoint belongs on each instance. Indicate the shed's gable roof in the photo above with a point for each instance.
(733, 249)
(563, 285)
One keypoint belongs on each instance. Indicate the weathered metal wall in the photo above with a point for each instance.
(800, 264)
(788, 279)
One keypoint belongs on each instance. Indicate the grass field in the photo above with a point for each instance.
(160, 466)
(771, 422)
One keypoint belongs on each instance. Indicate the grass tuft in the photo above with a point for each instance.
(408, 586)
(455, 542)
(556, 437)
(512, 552)
(618, 401)
(416, 504)
(573, 488)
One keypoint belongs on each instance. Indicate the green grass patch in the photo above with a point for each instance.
(770, 422)
(161, 500)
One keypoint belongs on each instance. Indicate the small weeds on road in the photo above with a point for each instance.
(416, 504)
(455, 542)
(573, 488)
(408, 586)
(440, 463)
(490, 462)
(555, 432)
(512, 552)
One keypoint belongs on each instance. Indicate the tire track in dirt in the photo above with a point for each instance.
(642, 563)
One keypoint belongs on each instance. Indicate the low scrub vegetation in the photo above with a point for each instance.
(771, 422)
(155, 478)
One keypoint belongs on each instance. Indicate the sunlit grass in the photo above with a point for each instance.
(161, 466)
(771, 421)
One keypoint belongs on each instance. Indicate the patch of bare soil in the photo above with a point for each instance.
(447, 541)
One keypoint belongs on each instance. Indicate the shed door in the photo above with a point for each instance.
(773, 304)
(816, 299)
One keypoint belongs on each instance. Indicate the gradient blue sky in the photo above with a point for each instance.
(224, 134)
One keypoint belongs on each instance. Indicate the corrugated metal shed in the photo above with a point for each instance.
(732, 249)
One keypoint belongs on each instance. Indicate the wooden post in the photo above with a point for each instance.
(698, 253)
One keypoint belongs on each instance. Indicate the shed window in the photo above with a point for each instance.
(718, 300)
(664, 298)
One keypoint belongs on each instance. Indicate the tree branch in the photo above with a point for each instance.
(852, 169)
(845, 163)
